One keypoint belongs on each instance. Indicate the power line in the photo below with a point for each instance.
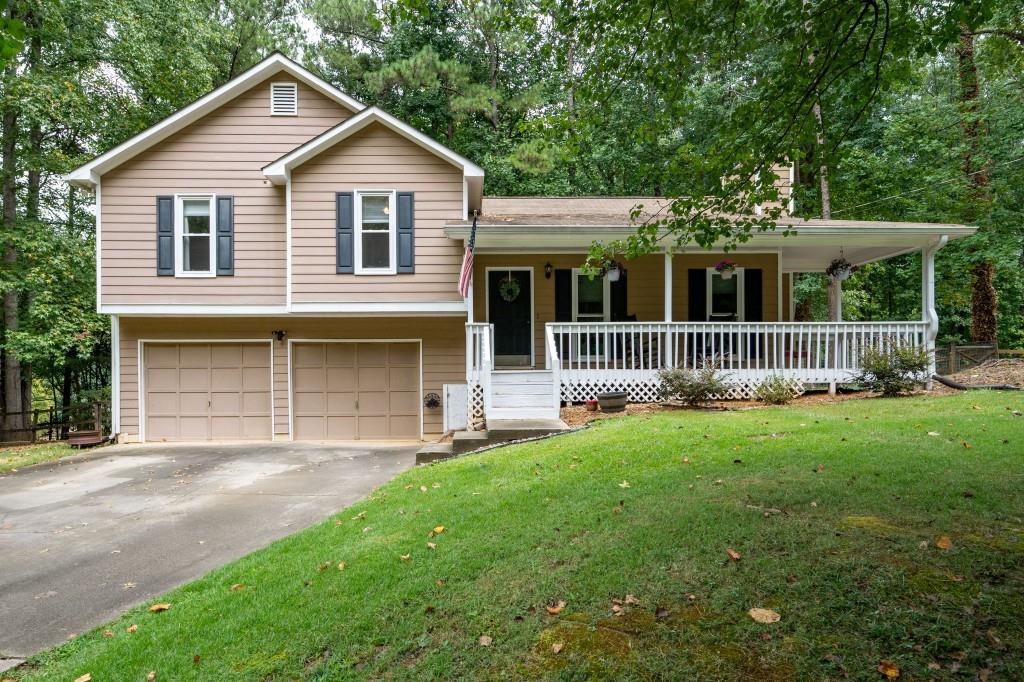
(934, 184)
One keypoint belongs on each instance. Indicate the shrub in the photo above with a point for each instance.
(892, 370)
(774, 390)
(692, 387)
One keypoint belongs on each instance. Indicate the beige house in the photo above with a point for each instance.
(280, 261)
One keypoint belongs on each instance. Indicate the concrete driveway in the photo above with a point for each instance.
(82, 540)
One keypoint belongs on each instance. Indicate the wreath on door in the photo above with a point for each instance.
(509, 288)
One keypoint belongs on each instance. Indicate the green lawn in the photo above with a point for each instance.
(18, 456)
(851, 560)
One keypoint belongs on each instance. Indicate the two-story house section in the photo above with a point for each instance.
(280, 261)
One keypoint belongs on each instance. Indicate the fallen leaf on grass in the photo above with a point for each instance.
(342, 565)
(556, 609)
(157, 608)
(557, 647)
(733, 554)
(437, 530)
(423, 488)
(616, 609)
(108, 633)
(485, 640)
(431, 545)
(196, 658)
(405, 557)
(151, 676)
(764, 615)
(131, 628)
(624, 484)
(934, 433)
(967, 446)
(84, 678)
(944, 543)
(889, 669)
(630, 599)
(686, 460)
(238, 587)
(660, 613)
(360, 515)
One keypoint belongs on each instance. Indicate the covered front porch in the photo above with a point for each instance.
(541, 331)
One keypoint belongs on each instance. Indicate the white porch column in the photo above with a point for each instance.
(668, 285)
(469, 301)
(928, 313)
(670, 341)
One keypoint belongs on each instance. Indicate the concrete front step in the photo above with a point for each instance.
(504, 430)
(434, 452)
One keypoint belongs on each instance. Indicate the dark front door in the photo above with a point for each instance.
(509, 300)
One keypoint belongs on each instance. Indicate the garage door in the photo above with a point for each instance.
(355, 391)
(207, 391)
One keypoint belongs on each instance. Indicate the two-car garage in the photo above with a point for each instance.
(338, 390)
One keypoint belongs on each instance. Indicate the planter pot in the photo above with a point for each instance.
(612, 402)
(726, 274)
(591, 405)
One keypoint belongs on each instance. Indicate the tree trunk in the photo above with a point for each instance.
(12, 378)
(984, 301)
(819, 136)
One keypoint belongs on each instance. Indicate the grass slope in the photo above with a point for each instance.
(861, 486)
(18, 456)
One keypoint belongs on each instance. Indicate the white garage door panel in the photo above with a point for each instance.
(355, 391)
(207, 391)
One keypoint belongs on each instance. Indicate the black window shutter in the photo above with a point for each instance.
(165, 236)
(698, 294)
(563, 295)
(753, 295)
(225, 235)
(619, 302)
(406, 229)
(344, 223)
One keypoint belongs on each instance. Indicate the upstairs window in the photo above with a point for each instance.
(375, 233)
(284, 99)
(194, 229)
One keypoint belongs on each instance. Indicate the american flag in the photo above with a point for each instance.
(466, 275)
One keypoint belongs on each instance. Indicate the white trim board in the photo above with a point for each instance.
(351, 309)
(140, 374)
(533, 299)
(88, 175)
(291, 414)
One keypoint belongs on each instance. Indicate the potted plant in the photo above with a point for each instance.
(614, 401)
(725, 268)
(591, 405)
(839, 269)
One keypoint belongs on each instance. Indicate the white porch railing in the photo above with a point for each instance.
(479, 364)
(591, 358)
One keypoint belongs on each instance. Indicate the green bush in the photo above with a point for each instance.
(892, 370)
(774, 390)
(692, 387)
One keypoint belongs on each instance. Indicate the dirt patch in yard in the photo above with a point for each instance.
(1008, 371)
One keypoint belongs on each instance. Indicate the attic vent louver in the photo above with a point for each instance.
(284, 99)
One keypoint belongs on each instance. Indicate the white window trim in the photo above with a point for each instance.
(392, 232)
(295, 89)
(576, 273)
(740, 293)
(179, 242)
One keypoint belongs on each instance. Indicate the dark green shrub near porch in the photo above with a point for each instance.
(892, 370)
(693, 387)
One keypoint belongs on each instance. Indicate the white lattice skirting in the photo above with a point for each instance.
(647, 391)
(475, 417)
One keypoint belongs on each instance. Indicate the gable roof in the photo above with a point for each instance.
(88, 174)
(277, 171)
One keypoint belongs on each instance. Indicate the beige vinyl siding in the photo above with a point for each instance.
(787, 295)
(644, 289)
(222, 153)
(443, 348)
(375, 158)
(767, 262)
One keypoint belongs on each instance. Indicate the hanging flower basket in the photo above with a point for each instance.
(725, 268)
(509, 289)
(839, 269)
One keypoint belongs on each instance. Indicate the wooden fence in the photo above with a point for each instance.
(953, 358)
(54, 423)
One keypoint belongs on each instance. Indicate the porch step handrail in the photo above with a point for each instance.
(554, 363)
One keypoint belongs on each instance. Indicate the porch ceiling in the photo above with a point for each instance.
(813, 246)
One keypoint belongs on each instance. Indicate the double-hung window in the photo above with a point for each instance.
(591, 302)
(195, 227)
(375, 233)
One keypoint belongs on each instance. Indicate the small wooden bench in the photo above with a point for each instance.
(85, 439)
